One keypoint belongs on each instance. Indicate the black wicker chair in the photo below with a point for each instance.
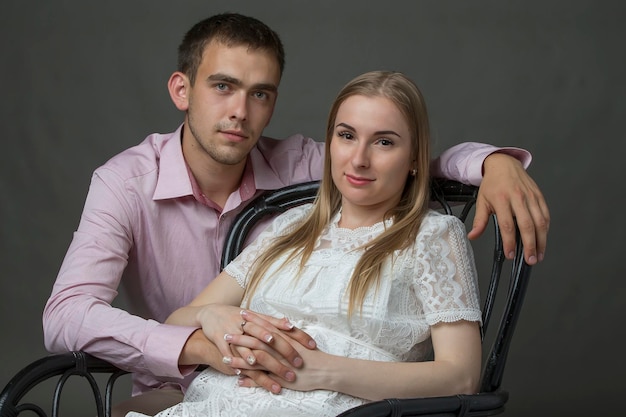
(453, 197)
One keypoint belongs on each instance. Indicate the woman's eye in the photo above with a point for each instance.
(345, 135)
(385, 142)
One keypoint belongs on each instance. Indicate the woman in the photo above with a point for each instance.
(374, 276)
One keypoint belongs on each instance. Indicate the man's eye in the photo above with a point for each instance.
(221, 86)
(261, 95)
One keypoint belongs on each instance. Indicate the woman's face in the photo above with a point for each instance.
(370, 153)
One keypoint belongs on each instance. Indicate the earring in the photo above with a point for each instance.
(414, 172)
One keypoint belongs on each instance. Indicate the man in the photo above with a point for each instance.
(157, 214)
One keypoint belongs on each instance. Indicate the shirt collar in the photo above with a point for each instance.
(265, 176)
(173, 180)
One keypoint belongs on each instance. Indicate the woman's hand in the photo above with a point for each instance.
(308, 377)
(255, 342)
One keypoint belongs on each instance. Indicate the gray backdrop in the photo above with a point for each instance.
(85, 80)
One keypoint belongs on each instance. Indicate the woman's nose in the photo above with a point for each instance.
(360, 158)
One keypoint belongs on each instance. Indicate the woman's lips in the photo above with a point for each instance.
(354, 180)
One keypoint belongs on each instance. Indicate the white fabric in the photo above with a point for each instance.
(432, 281)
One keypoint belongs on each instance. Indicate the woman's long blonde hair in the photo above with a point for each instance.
(407, 215)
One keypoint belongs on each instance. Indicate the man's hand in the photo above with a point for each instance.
(199, 350)
(508, 191)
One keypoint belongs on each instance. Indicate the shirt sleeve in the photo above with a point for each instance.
(464, 162)
(446, 276)
(79, 315)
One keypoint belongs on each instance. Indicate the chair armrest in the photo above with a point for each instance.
(482, 404)
(63, 365)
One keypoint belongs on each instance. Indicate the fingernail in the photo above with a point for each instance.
(312, 343)
(540, 257)
(268, 338)
(511, 255)
(298, 362)
(243, 313)
(227, 360)
(290, 376)
(240, 381)
(276, 389)
(251, 360)
(532, 260)
(228, 337)
(238, 372)
(288, 323)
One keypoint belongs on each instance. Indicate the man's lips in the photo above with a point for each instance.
(354, 180)
(234, 135)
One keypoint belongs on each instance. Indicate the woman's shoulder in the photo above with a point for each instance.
(292, 217)
(436, 219)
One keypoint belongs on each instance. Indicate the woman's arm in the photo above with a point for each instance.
(454, 370)
(266, 344)
(216, 311)
(223, 290)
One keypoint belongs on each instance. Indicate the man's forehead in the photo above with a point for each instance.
(218, 48)
(237, 60)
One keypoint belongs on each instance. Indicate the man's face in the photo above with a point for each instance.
(230, 103)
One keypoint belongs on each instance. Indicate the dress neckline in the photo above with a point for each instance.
(376, 227)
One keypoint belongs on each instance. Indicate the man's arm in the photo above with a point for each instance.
(79, 316)
(506, 189)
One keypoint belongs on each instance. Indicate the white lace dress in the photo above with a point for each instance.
(432, 281)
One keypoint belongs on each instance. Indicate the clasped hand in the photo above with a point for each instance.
(259, 346)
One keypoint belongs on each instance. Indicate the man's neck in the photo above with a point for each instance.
(217, 182)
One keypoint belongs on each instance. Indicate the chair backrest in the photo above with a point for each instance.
(452, 197)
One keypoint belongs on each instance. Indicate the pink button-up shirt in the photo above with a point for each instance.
(146, 227)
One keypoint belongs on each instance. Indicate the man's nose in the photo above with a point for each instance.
(239, 107)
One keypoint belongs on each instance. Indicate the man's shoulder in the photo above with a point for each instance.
(138, 159)
(287, 161)
(297, 142)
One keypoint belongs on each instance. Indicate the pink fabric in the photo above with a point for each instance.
(144, 228)
(464, 162)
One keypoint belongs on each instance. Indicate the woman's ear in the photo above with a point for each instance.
(178, 87)
(413, 171)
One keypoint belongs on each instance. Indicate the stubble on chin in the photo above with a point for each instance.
(223, 153)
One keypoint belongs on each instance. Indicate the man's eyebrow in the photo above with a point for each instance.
(225, 78)
(265, 87)
(235, 81)
(380, 132)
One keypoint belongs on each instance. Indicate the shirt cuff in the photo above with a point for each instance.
(464, 162)
(163, 348)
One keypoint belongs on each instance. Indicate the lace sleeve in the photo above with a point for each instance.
(446, 280)
(283, 224)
